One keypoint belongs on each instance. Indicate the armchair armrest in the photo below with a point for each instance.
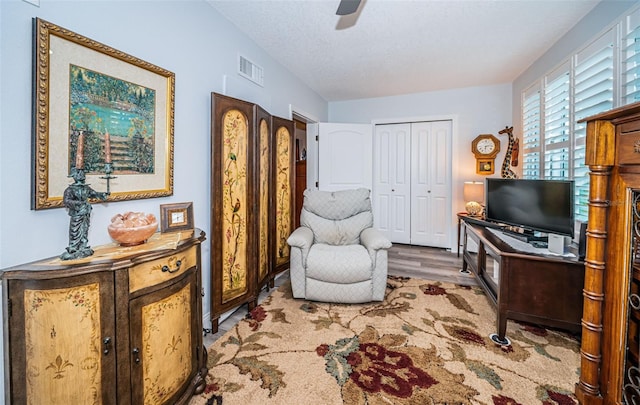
(372, 239)
(301, 238)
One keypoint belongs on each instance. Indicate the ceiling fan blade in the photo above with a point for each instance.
(347, 7)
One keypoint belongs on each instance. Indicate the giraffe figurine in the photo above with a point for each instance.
(505, 171)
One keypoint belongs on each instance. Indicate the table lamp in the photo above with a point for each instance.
(473, 197)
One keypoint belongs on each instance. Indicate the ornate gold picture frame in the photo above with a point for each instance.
(122, 106)
(176, 217)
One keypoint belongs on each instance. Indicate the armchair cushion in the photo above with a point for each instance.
(339, 264)
(373, 239)
(336, 232)
(338, 217)
(301, 238)
(337, 204)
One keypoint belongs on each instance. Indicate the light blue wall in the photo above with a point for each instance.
(586, 30)
(189, 38)
(474, 110)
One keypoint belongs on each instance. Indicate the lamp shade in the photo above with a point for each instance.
(474, 191)
(473, 196)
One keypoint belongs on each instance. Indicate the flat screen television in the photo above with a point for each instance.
(534, 205)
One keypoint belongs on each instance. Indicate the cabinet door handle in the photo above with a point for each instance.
(166, 268)
(136, 353)
(107, 344)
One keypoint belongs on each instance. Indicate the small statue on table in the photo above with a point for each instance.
(76, 199)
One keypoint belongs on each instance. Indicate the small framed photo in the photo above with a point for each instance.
(176, 217)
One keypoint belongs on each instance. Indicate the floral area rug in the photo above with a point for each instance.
(426, 343)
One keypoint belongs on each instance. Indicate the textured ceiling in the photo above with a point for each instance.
(392, 47)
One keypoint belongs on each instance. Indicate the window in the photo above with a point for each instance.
(593, 93)
(631, 59)
(531, 133)
(557, 124)
(584, 85)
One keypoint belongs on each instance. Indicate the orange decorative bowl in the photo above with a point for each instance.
(132, 228)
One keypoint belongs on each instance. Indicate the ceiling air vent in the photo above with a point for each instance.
(250, 70)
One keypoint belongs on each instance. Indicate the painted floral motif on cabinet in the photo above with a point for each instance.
(263, 266)
(234, 205)
(283, 194)
(54, 318)
(166, 326)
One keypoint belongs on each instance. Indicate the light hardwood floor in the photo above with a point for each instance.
(404, 260)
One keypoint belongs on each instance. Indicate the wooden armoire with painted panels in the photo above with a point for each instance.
(252, 193)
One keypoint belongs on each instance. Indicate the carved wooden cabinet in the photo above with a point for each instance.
(252, 196)
(609, 354)
(123, 326)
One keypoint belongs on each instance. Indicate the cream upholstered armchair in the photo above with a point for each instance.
(336, 255)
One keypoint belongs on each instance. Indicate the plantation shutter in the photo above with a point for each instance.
(631, 59)
(531, 133)
(593, 93)
(557, 124)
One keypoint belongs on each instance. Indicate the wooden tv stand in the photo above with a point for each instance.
(543, 290)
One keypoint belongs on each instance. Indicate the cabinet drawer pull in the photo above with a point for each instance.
(136, 352)
(166, 268)
(107, 343)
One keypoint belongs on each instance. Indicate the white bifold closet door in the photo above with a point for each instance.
(412, 182)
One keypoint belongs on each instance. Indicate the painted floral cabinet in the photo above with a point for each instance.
(123, 326)
(251, 201)
(284, 164)
(265, 190)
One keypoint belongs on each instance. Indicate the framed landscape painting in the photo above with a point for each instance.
(120, 108)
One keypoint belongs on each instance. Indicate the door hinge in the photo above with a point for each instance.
(10, 307)
(317, 138)
(317, 185)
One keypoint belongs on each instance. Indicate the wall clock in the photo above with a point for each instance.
(485, 148)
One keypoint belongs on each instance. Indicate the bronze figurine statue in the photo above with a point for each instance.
(76, 199)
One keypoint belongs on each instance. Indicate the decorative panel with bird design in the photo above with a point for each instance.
(234, 205)
(265, 218)
(233, 219)
(252, 201)
(284, 161)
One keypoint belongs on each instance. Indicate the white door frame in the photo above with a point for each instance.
(312, 143)
(455, 193)
(455, 158)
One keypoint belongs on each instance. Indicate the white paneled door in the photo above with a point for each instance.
(431, 183)
(412, 182)
(392, 181)
(408, 168)
(345, 156)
